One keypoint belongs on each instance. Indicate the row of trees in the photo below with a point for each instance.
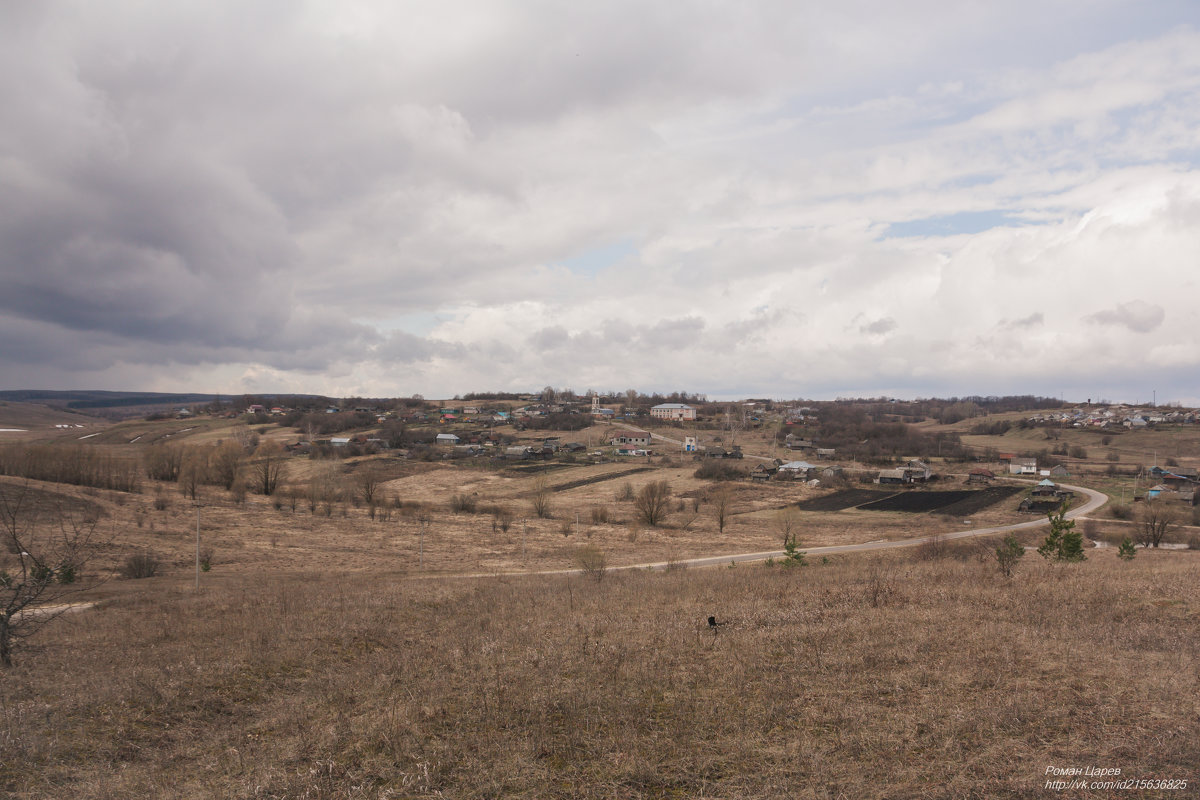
(78, 465)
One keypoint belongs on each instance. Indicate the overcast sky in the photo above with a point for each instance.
(772, 199)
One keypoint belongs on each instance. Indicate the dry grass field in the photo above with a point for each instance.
(341, 649)
(866, 677)
(289, 533)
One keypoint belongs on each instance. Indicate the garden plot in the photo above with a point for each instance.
(847, 498)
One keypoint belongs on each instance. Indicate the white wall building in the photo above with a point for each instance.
(673, 411)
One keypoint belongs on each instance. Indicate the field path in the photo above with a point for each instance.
(1095, 500)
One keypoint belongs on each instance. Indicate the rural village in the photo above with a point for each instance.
(303, 539)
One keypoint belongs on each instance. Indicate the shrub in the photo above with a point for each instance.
(1126, 551)
(540, 499)
(716, 470)
(1008, 554)
(653, 502)
(503, 518)
(142, 565)
(599, 515)
(1113, 455)
(206, 559)
(161, 503)
(627, 492)
(1120, 511)
(1193, 542)
(461, 503)
(933, 548)
(1078, 452)
(592, 561)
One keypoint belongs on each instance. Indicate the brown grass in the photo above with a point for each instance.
(869, 677)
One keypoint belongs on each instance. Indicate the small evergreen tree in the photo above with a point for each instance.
(1063, 543)
(792, 555)
(1127, 550)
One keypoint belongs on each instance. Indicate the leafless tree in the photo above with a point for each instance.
(267, 468)
(370, 478)
(722, 503)
(540, 498)
(44, 551)
(1156, 519)
(226, 463)
(193, 473)
(786, 524)
(653, 502)
(163, 462)
(323, 486)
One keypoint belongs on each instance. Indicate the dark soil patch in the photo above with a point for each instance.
(847, 498)
(608, 476)
(960, 502)
(980, 500)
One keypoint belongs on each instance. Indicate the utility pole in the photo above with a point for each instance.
(524, 530)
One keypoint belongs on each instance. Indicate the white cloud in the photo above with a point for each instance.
(256, 194)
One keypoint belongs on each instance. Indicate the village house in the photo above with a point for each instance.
(984, 476)
(917, 471)
(892, 476)
(630, 437)
(676, 411)
(1023, 466)
(798, 470)
(447, 438)
(763, 472)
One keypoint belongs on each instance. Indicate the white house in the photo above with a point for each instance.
(673, 411)
(1023, 466)
(447, 438)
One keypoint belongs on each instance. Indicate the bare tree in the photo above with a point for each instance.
(44, 550)
(540, 498)
(722, 503)
(323, 486)
(370, 478)
(267, 468)
(163, 462)
(786, 524)
(192, 473)
(1156, 519)
(226, 463)
(653, 502)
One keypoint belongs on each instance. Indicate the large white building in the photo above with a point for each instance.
(673, 411)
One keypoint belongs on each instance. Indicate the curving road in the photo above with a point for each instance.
(1095, 500)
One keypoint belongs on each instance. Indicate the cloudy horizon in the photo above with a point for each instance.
(770, 199)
